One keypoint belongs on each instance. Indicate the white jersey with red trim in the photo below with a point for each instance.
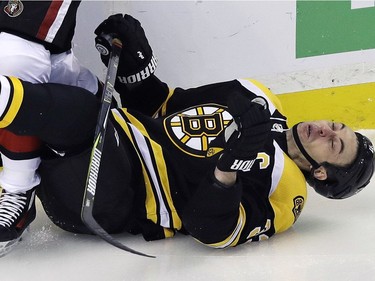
(49, 22)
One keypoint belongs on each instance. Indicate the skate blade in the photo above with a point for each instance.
(8, 246)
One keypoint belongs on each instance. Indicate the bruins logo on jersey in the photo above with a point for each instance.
(194, 128)
(299, 201)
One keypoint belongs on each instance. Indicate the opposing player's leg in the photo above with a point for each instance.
(18, 180)
(66, 69)
(24, 59)
(17, 211)
(61, 115)
(31, 62)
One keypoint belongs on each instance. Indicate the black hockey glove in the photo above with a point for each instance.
(137, 61)
(252, 118)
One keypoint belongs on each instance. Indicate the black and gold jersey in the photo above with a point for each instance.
(174, 152)
(178, 150)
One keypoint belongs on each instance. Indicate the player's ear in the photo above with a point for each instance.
(320, 173)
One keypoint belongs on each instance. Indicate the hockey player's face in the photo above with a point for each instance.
(327, 141)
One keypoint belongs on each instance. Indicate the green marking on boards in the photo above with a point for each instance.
(329, 27)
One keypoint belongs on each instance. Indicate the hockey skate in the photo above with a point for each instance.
(17, 211)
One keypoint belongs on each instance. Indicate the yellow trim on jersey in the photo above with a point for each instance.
(163, 108)
(15, 103)
(168, 233)
(150, 196)
(161, 166)
(284, 197)
(274, 99)
(161, 169)
(233, 239)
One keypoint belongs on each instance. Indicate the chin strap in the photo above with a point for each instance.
(315, 164)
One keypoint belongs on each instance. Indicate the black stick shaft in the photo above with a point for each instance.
(95, 159)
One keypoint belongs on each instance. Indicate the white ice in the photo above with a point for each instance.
(331, 241)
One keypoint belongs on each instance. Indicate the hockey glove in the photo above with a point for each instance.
(252, 118)
(137, 61)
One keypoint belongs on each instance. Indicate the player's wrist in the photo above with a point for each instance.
(227, 179)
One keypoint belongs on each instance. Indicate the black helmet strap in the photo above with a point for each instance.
(315, 164)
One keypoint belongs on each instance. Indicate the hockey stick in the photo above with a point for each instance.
(96, 153)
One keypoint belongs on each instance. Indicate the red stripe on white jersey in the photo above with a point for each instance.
(53, 20)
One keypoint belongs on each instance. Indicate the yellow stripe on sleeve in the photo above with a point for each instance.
(150, 197)
(161, 171)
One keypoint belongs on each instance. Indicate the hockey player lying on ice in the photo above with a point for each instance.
(216, 162)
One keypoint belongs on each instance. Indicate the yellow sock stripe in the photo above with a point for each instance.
(15, 103)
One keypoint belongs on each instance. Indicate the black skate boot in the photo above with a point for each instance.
(17, 211)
